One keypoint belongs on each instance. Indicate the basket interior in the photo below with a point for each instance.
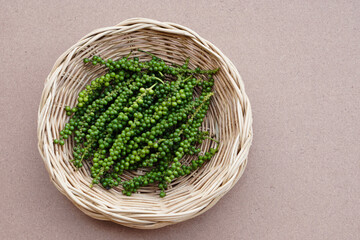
(222, 121)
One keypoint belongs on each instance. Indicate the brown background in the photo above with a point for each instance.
(300, 62)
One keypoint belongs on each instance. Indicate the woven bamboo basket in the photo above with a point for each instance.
(229, 119)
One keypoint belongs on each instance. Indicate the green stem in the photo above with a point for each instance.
(86, 149)
(198, 108)
(100, 172)
(140, 50)
(212, 139)
(143, 94)
(156, 78)
(187, 61)
(187, 78)
(129, 54)
(202, 104)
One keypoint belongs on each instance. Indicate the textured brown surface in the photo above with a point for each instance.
(301, 66)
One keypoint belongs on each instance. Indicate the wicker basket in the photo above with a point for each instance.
(229, 119)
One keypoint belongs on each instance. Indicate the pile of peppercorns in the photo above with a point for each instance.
(140, 114)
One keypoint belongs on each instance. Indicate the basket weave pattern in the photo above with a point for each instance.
(229, 119)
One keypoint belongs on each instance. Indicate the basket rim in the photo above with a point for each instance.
(139, 24)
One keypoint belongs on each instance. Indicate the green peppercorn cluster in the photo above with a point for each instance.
(140, 114)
